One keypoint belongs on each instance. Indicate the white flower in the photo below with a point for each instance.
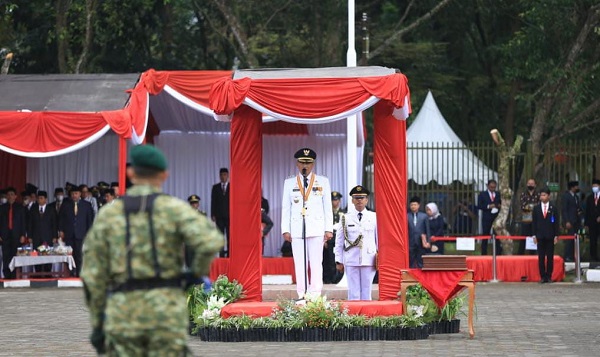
(215, 302)
(209, 314)
(417, 311)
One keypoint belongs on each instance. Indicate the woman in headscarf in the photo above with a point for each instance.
(437, 226)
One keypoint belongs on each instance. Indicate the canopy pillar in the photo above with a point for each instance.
(245, 242)
(391, 186)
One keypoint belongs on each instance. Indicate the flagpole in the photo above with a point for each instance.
(351, 169)
(351, 133)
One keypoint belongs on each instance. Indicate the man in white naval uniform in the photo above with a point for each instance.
(356, 246)
(306, 213)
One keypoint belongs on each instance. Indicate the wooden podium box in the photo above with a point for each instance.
(444, 262)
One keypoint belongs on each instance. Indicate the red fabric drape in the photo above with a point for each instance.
(390, 181)
(195, 85)
(307, 97)
(245, 197)
(31, 132)
(441, 285)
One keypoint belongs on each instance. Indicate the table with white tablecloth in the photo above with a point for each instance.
(65, 262)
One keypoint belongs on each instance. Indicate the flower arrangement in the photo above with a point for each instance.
(316, 319)
(317, 313)
(205, 303)
(420, 305)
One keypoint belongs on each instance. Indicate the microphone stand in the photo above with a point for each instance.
(304, 234)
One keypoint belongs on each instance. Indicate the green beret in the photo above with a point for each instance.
(148, 156)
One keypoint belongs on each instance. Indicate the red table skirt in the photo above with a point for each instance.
(367, 308)
(513, 268)
(510, 268)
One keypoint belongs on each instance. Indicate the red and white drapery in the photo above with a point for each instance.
(48, 133)
(310, 101)
(300, 101)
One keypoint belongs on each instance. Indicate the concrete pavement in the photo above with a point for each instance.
(512, 319)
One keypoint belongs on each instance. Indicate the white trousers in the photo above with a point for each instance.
(313, 260)
(360, 281)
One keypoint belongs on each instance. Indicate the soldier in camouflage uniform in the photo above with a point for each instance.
(132, 267)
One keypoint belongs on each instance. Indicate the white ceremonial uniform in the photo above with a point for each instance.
(359, 260)
(318, 220)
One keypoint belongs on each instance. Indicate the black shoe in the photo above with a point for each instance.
(543, 281)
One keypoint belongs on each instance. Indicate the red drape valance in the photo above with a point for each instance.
(307, 97)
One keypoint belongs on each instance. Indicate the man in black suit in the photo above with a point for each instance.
(418, 233)
(571, 214)
(12, 229)
(42, 227)
(43, 224)
(219, 207)
(592, 218)
(75, 219)
(59, 197)
(545, 234)
(489, 203)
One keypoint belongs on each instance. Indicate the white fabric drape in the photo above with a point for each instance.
(195, 159)
(88, 165)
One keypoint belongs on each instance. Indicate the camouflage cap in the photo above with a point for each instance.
(148, 156)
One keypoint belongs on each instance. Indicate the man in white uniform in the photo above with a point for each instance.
(356, 246)
(307, 221)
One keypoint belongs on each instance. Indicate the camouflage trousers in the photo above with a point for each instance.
(158, 344)
(147, 323)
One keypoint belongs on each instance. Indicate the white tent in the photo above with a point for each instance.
(436, 153)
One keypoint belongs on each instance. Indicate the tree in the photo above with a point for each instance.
(556, 54)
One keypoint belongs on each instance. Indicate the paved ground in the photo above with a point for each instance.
(513, 319)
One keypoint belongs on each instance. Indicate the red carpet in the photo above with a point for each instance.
(367, 308)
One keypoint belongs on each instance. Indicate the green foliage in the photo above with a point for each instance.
(453, 308)
(420, 304)
(231, 291)
(223, 292)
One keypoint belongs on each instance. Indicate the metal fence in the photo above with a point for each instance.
(452, 175)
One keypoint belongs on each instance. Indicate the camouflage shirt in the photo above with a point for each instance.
(105, 252)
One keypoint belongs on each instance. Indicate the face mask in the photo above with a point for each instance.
(595, 189)
(531, 188)
(60, 198)
(3, 200)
